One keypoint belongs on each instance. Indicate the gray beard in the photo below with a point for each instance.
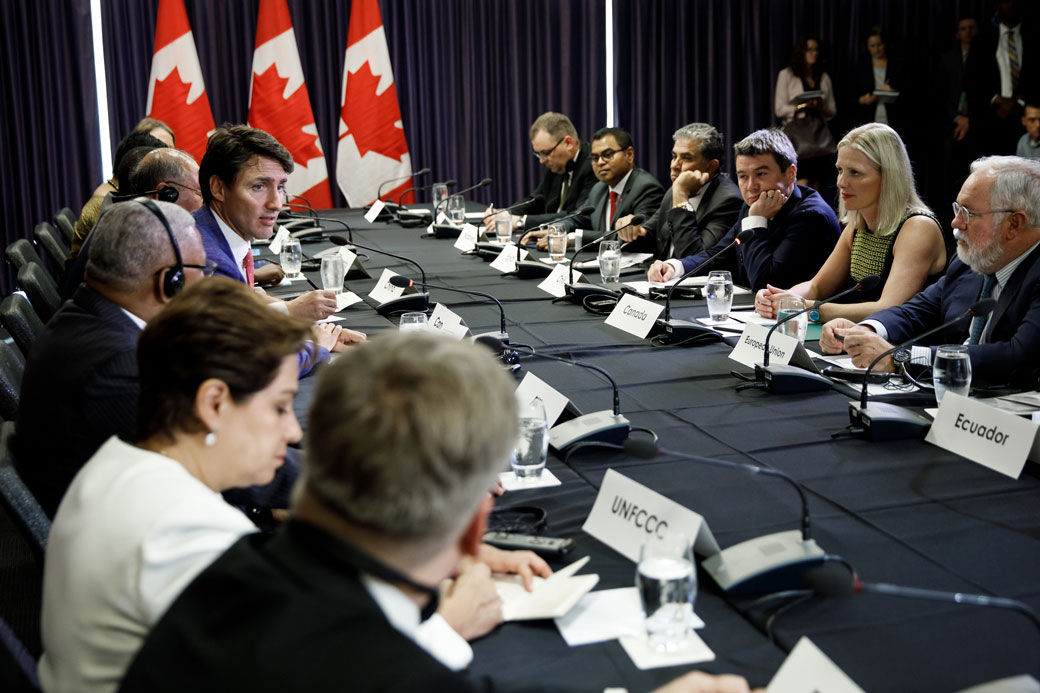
(983, 261)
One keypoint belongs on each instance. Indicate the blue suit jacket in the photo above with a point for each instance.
(1010, 348)
(218, 250)
(789, 250)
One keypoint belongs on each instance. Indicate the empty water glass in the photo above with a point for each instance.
(719, 294)
(609, 261)
(457, 209)
(413, 322)
(796, 327)
(951, 371)
(667, 584)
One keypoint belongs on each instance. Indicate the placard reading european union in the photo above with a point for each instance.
(373, 212)
(751, 346)
(634, 315)
(626, 513)
(994, 438)
(384, 291)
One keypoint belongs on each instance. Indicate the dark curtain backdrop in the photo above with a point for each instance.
(717, 61)
(49, 137)
(470, 75)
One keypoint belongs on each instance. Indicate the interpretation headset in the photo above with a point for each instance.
(173, 282)
(167, 194)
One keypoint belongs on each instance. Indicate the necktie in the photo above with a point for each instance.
(979, 324)
(613, 208)
(564, 189)
(247, 265)
(1013, 60)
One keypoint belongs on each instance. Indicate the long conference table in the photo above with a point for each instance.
(902, 512)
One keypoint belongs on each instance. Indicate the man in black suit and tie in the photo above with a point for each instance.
(699, 208)
(568, 178)
(997, 227)
(622, 191)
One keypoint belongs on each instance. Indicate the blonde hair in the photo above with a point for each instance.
(898, 196)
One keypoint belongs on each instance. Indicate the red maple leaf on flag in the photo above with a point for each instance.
(189, 122)
(284, 118)
(370, 117)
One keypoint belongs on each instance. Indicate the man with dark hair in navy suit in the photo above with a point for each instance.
(997, 227)
(794, 229)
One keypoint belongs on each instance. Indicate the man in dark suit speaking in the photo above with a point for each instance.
(699, 208)
(997, 227)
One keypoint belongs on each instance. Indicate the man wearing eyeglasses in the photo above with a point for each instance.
(997, 227)
(569, 178)
(622, 191)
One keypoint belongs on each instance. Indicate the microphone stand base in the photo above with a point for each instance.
(883, 421)
(446, 231)
(681, 330)
(601, 426)
(576, 292)
(788, 380)
(769, 563)
(530, 269)
(491, 338)
(409, 303)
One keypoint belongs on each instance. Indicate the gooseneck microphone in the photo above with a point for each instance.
(634, 221)
(576, 291)
(533, 199)
(482, 184)
(410, 302)
(540, 269)
(786, 379)
(450, 183)
(502, 335)
(601, 426)
(379, 191)
(883, 421)
(681, 330)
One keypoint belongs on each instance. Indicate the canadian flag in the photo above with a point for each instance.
(176, 93)
(279, 104)
(371, 146)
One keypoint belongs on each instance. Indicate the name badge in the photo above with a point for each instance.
(626, 514)
(751, 346)
(445, 321)
(996, 439)
(281, 237)
(373, 212)
(807, 670)
(348, 258)
(506, 260)
(634, 315)
(558, 279)
(467, 239)
(384, 291)
(532, 387)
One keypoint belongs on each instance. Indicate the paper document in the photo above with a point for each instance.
(550, 597)
(606, 615)
(627, 260)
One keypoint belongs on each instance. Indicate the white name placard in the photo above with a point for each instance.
(996, 439)
(348, 258)
(626, 513)
(385, 291)
(467, 239)
(442, 218)
(751, 347)
(373, 212)
(281, 237)
(506, 260)
(634, 315)
(445, 321)
(532, 387)
(808, 670)
(346, 299)
(556, 281)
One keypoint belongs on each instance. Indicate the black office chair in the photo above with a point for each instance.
(65, 220)
(20, 321)
(48, 238)
(20, 253)
(12, 366)
(21, 505)
(41, 289)
(17, 665)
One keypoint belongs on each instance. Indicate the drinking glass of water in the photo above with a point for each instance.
(457, 209)
(556, 239)
(532, 443)
(719, 293)
(291, 258)
(951, 371)
(413, 322)
(503, 226)
(439, 193)
(332, 273)
(796, 327)
(667, 585)
(609, 261)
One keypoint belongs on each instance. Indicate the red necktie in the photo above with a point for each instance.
(613, 208)
(247, 264)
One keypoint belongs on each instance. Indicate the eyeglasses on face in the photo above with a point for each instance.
(961, 210)
(545, 154)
